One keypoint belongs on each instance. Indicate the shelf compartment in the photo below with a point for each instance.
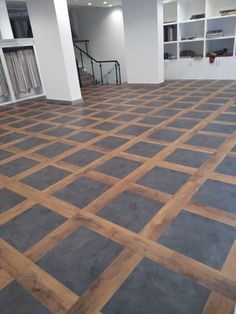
(220, 44)
(213, 8)
(170, 12)
(196, 46)
(226, 25)
(170, 33)
(187, 8)
(171, 49)
(190, 30)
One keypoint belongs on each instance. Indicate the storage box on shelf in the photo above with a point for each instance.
(202, 28)
(20, 68)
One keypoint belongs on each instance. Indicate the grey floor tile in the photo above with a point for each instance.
(31, 226)
(166, 135)
(111, 142)
(217, 194)
(118, 167)
(197, 114)
(130, 211)
(152, 288)
(227, 117)
(61, 131)
(39, 127)
(165, 180)
(106, 126)
(208, 241)
(152, 120)
(126, 117)
(84, 122)
(45, 178)
(83, 137)
(188, 158)
(83, 157)
(9, 199)
(134, 130)
(5, 154)
(30, 142)
(145, 149)
(206, 141)
(14, 299)
(17, 166)
(220, 128)
(7, 138)
(54, 149)
(184, 123)
(82, 191)
(80, 259)
(228, 166)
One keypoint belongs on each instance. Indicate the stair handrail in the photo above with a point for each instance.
(100, 62)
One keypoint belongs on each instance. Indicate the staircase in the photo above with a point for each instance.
(86, 78)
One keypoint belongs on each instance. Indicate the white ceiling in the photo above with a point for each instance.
(95, 3)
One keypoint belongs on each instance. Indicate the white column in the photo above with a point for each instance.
(5, 26)
(53, 41)
(143, 27)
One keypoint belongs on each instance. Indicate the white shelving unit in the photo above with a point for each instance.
(192, 36)
(34, 93)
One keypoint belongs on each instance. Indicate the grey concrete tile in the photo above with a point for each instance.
(206, 141)
(30, 142)
(165, 180)
(25, 230)
(227, 117)
(17, 166)
(9, 199)
(54, 149)
(188, 158)
(60, 131)
(228, 166)
(184, 123)
(126, 117)
(152, 120)
(80, 259)
(197, 114)
(14, 299)
(152, 288)
(130, 211)
(217, 194)
(5, 154)
(46, 177)
(7, 138)
(106, 126)
(82, 191)
(220, 128)
(208, 241)
(166, 135)
(134, 130)
(118, 167)
(111, 142)
(39, 127)
(83, 157)
(145, 149)
(83, 137)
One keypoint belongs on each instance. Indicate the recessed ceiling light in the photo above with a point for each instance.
(110, 5)
(89, 3)
(104, 2)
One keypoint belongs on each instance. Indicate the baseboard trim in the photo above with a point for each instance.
(66, 102)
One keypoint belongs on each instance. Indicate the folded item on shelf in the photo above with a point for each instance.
(23, 70)
(228, 12)
(187, 53)
(219, 53)
(215, 33)
(198, 16)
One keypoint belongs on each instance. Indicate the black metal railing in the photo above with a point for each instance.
(100, 70)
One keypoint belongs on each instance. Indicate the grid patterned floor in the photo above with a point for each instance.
(123, 204)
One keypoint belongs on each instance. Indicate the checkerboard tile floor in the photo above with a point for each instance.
(124, 204)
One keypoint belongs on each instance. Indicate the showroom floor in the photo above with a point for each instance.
(123, 204)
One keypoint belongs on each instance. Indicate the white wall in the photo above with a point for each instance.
(143, 26)
(104, 28)
(53, 41)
